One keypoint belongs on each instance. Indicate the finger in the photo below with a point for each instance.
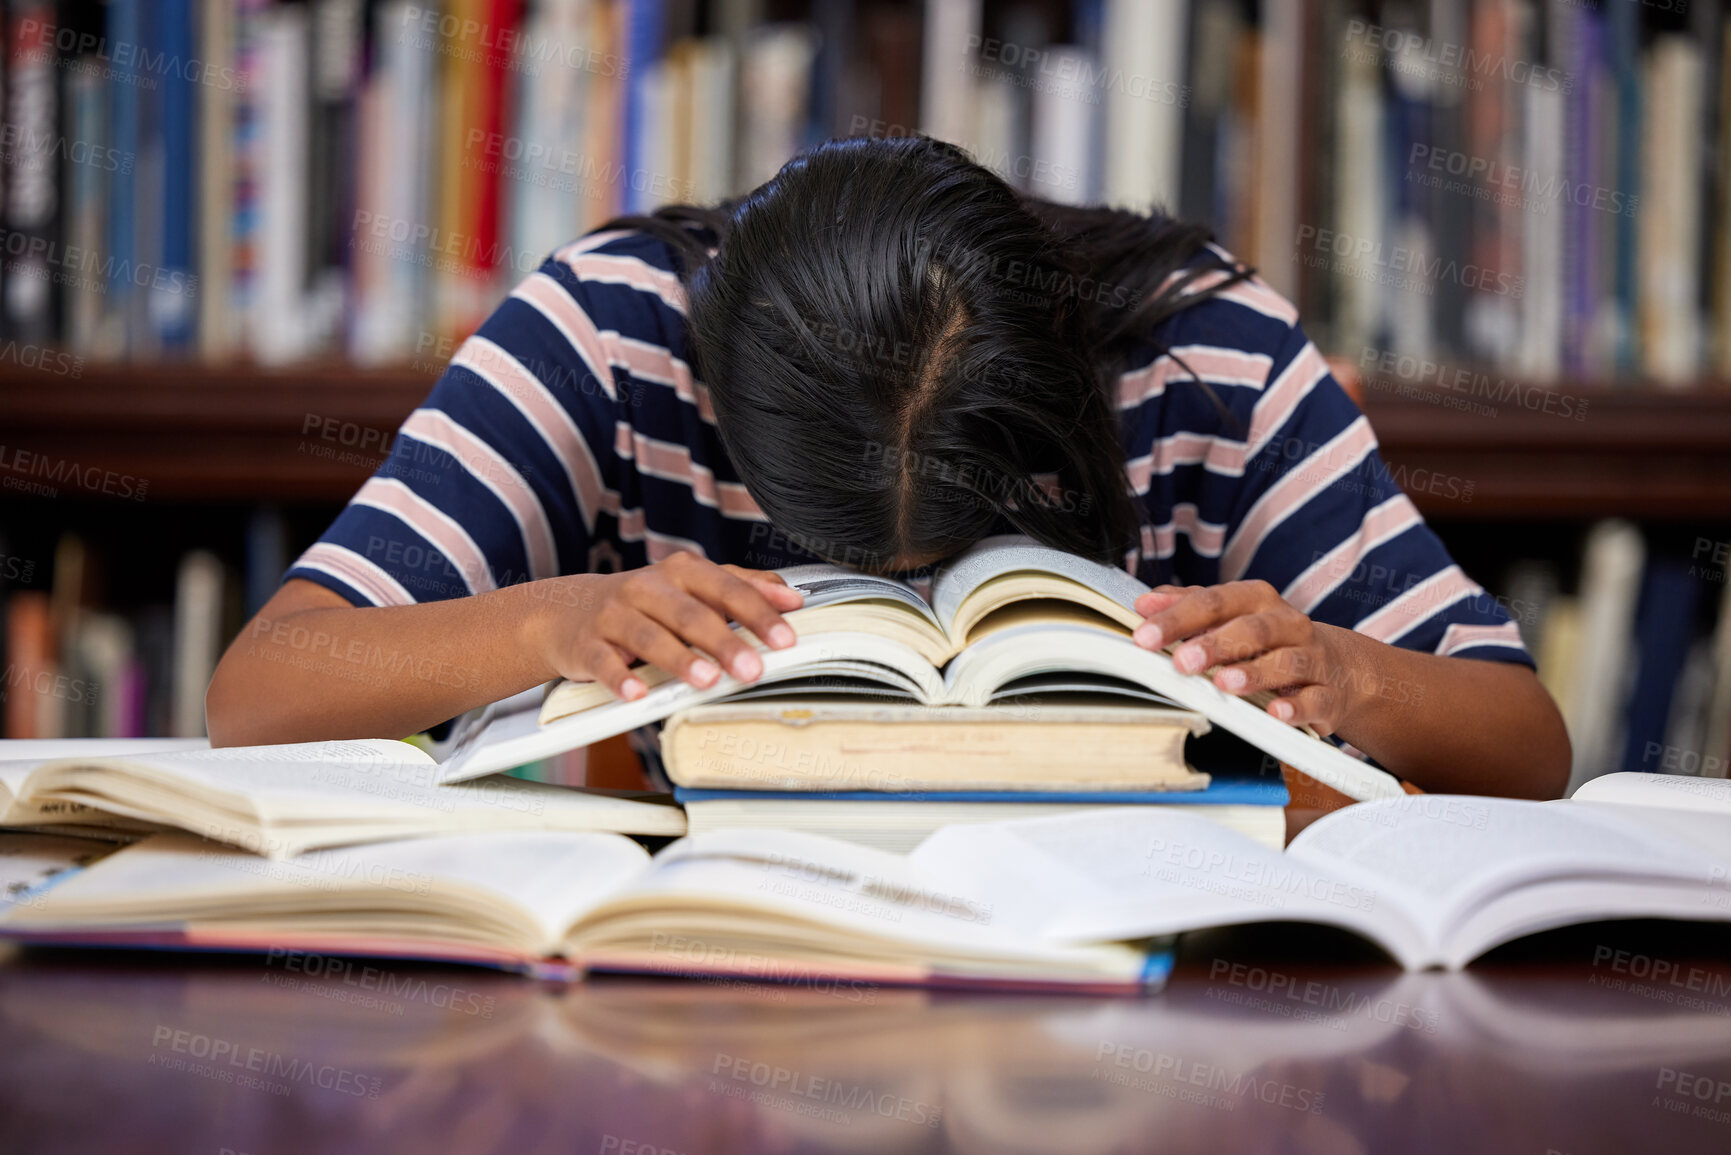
(603, 663)
(1241, 639)
(1201, 610)
(746, 603)
(773, 585)
(1315, 706)
(1160, 597)
(1278, 669)
(648, 639)
(697, 624)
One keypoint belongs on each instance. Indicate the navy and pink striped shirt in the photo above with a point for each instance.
(569, 435)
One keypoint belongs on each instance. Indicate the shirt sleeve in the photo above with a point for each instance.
(1322, 519)
(500, 475)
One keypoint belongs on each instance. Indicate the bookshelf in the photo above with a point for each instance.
(1540, 193)
(314, 433)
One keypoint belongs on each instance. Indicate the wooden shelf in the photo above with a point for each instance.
(1636, 452)
(314, 433)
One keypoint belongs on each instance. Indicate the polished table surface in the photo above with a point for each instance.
(1602, 1039)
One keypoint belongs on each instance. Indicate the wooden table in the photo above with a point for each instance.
(1596, 1040)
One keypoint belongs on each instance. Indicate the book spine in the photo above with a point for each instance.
(32, 148)
(173, 285)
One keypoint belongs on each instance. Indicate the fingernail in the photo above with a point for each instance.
(747, 666)
(1283, 711)
(1232, 681)
(1147, 634)
(1189, 658)
(781, 636)
(631, 689)
(704, 672)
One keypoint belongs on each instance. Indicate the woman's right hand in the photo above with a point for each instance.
(670, 614)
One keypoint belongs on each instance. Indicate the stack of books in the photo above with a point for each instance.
(887, 775)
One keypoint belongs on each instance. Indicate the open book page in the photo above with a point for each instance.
(516, 892)
(996, 556)
(280, 800)
(29, 860)
(825, 585)
(1449, 859)
(1130, 872)
(1026, 650)
(815, 897)
(581, 713)
(1674, 791)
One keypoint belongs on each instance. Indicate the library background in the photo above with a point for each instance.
(241, 237)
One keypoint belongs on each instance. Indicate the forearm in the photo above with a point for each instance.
(312, 667)
(1451, 724)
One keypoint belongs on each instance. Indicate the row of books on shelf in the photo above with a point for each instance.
(277, 180)
(1637, 652)
(1539, 188)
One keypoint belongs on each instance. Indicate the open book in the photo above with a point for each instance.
(1007, 620)
(759, 905)
(281, 800)
(1435, 880)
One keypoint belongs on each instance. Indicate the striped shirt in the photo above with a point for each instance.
(569, 435)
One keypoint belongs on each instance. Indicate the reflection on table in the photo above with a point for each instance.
(1607, 1039)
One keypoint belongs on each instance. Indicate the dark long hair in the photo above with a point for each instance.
(906, 355)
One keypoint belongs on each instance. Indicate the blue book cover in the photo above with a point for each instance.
(1232, 791)
(123, 28)
(1664, 628)
(642, 46)
(172, 295)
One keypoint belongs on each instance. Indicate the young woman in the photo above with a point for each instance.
(880, 357)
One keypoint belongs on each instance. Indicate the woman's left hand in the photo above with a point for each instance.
(1258, 641)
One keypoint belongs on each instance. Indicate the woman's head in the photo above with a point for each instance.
(903, 357)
